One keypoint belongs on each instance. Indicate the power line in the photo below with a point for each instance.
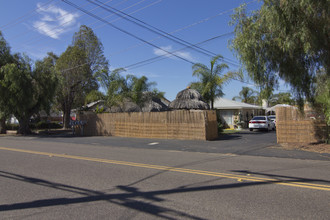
(49, 34)
(122, 30)
(36, 28)
(164, 56)
(186, 27)
(155, 59)
(191, 25)
(151, 28)
(34, 40)
(156, 2)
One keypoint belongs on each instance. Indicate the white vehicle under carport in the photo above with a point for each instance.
(261, 123)
(273, 119)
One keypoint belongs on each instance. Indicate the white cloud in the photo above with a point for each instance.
(164, 52)
(54, 21)
(148, 75)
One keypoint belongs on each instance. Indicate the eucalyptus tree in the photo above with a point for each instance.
(282, 98)
(323, 96)
(288, 39)
(5, 58)
(211, 79)
(24, 90)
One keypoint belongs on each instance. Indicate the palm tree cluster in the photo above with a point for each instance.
(211, 80)
(132, 91)
(248, 95)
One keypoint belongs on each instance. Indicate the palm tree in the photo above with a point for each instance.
(136, 90)
(116, 86)
(247, 95)
(211, 81)
(139, 89)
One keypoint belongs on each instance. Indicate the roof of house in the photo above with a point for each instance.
(273, 108)
(89, 105)
(222, 103)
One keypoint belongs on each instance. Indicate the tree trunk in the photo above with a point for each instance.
(24, 127)
(66, 117)
(3, 125)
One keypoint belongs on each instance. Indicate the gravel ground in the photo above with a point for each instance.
(315, 147)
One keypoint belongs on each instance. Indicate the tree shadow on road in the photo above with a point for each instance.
(149, 202)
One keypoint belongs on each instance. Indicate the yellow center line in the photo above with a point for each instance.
(181, 170)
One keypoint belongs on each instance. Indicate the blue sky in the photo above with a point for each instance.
(36, 27)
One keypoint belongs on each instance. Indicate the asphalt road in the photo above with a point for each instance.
(256, 143)
(120, 178)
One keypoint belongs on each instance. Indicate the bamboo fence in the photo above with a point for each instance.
(294, 127)
(180, 124)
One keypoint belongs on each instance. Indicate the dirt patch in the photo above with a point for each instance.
(312, 147)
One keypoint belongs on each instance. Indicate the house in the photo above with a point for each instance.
(231, 112)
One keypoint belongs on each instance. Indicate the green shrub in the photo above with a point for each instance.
(47, 125)
(99, 110)
(12, 126)
(220, 123)
(220, 127)
(39, 125)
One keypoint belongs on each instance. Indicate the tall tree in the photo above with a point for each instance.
(288, 38)
(267, 83)
(247, 95)
(323, 96)
(75, 81)
(86, 40)
(5, 57)
(26, 91)
(210, 81)
(78, 68)
(281, 98)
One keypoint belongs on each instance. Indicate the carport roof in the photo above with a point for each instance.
(222, 103)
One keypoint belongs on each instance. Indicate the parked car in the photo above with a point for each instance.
(273, 118)
(261, 123)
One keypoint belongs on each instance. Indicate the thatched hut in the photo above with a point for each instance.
(154, 105)
(125, 106)
(189, 99)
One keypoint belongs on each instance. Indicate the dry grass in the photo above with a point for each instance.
(312, 147)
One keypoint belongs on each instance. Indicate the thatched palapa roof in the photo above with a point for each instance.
(189, 99)
(125, 106)
(154, 105)
(151, 105)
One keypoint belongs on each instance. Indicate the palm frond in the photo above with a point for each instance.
(200, 69)
(215, 59)
(220, 68)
